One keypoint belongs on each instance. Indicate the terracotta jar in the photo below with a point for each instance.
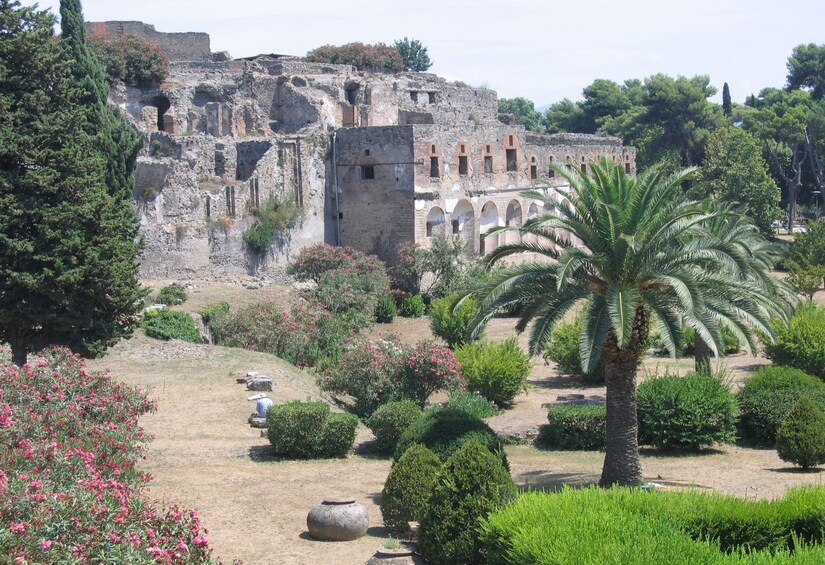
(338, 520)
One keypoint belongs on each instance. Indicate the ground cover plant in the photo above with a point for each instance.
(637, 527)
(472, 403)
(69, 487)
(172, 295)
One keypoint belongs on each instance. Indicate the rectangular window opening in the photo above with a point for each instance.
(462, 165)
(488, 164)
(367, 172)
(584, 169)
(512, 162)
(550, 172)
(534, 173)
(434, 172)
(414, 95)
(431, 97)
(627, 168)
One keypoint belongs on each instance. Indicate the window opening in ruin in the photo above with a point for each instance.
(462, 165)
(367, 172)
(550, 172)
(431, 97)
(455, 226)
(534, 172)
(434, 172)
(488, 164)
(511, 160)
(462, 149)
(510, 140)
(230, 200)
(432, 149)
(220, 164)
(162, 103)
(351, 94)
(627, 168)
(208, 206)
(488, 149)
(366, 152)
(414, 95)
(584, 169)
(429, 229)
(254, 193)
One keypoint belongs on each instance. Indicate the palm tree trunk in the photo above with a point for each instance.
(621, 459)
(701, 356)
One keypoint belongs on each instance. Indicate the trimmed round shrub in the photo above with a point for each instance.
(575, 427)
(496, 370)
(386, 309)
(444, 431)
(472, 484)
(800, 438)
(408, 487)
(411, 306)
(391, 420)
(768, 396)
(307, 430)
(166, 324)
(563, 349)
(450, 323)
(472, 403)
(172, 295)
(802, 344)
(685, 412)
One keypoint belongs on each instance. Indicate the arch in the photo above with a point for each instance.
(532, 211)
(463, 217)
(513, 219)
(489, 220)
(436, 222)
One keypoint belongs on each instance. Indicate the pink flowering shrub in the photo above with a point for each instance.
(314, 261)
(385, 371)
(69, 488)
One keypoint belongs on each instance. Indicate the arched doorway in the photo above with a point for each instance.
(463, 223)
(436, 222)
(489, 220)
(513, 219)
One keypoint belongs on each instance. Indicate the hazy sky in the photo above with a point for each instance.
(541, 50)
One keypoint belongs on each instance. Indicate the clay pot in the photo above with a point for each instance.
(338, 520)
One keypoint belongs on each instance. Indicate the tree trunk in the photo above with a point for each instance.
(19, 352)
(621, 459)
(701, 355)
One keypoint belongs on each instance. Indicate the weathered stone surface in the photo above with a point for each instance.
(257, 422)
(260, 383)
(338, 520)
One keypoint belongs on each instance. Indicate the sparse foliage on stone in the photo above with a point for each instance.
(414, 55)
(362, 56)
(275, 218)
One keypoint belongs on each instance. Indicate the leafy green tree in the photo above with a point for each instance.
(727, 107)
(806, 69)
(524, 110)
(641, 255)
(68, 232)
(414, 54)
(734, 171)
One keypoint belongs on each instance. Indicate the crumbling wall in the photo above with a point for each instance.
(176, 46)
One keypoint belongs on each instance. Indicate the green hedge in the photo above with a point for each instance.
(800, 438)
(768, 395)
(563, 349)
(496, 370)
(576, 427)
(308, 430)
(168, 324)
(686, 412)
(634, 527)
(390, 421)
(802, 345)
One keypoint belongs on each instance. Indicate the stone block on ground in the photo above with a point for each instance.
(260, 383)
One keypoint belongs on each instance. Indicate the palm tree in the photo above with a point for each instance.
(645, 257)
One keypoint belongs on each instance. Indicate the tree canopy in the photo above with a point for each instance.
(414, 54)
(68, 234)
(524, 110)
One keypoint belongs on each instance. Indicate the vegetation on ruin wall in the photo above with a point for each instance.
(360, 55)
(272, 221)
(131, 60)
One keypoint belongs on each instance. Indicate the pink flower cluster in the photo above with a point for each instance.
(69, 487)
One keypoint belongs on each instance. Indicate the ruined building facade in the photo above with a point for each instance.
(374, 159)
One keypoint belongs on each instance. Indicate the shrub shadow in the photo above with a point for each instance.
(796, 470)
(553, 482)
(262, 453)
(677, 453)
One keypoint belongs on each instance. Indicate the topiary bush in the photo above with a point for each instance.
(307, 430)
(575, 427)
(766, 398)
(386, 309)
(172, 295)
(496, 370)
(472, 403)
(800, 438)
(167, 324)
(444, 431)
(563, 349)
(687, 412)
(450, 323)
(391, 420)
(408, 488)
(802, 343)
(411, 306)
(472, 484)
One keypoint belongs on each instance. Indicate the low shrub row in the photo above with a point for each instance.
(309, 430)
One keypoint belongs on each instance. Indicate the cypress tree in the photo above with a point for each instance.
(727, 108)
(68, 231)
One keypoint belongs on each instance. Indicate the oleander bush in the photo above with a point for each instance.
(472, 484)
(634, 527)
(496, 370)
(70, 486)
(130, 59)
(800, 438)
(801, 344)
(563, 349)
(309, 430)
(408, 487)
(412, 306)
(168, 324)
(472, 403)
(444, 431)
(575, 427)
(449, 322)
(390, 421)
(315, 260)
(172, 295)
(688, 412)
(766, 398)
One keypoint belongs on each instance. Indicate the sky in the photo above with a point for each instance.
(544, 51)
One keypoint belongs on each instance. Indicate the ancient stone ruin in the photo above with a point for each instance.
(374, 159)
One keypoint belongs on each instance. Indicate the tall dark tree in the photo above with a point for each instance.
(727, 106)
(414, 54)
(806, 69)
(68, 232)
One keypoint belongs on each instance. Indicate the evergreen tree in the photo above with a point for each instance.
(727, 108)
(414, 54)
(68, 232)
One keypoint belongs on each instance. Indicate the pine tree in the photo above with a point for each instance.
(727, 108)
(68, 232)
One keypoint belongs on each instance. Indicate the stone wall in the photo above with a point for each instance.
(188, 46)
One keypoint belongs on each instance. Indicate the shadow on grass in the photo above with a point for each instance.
(263, 453)
(797, 470)
(677, 453)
